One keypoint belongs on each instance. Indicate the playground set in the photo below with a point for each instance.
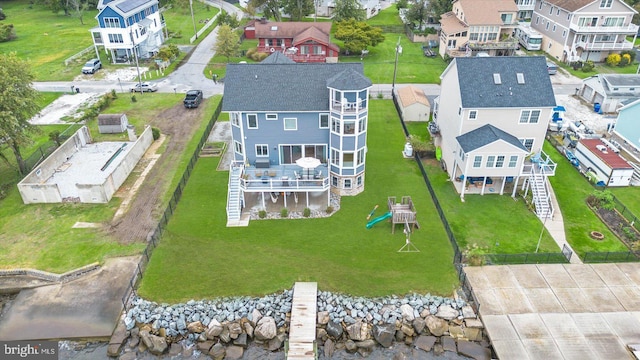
(400, 213)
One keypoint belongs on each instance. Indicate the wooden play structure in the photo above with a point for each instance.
(402, 213)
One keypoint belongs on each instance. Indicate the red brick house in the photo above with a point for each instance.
(299, 41)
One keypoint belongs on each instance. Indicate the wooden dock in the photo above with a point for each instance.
(302, 331)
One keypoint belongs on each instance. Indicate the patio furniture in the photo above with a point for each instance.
(298, 176)
(265, 177)
(317, 174)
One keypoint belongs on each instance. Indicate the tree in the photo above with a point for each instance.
(17, 105)
(357, 35)
(348, 9)
(298, 9)
(438, 7)
(418, 14)
(228, 42)
(229, 19)
(270, 8)
(78, 7)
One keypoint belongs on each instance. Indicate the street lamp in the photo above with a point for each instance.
(193, 19)
(395, 67)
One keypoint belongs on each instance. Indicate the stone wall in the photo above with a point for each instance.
(224, 328)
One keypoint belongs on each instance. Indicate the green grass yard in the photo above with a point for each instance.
(211, 260)
(630, 197)
(571, 190)
(180, 25)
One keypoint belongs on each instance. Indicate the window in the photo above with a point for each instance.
(290, 153)
(271, 116)
(347, 183)
(496, 79)
(290, 124)
(111, 22)
(362, 125)
(473, 114)
(528, 143)
(588, 21)
(252, 121)
(490, 161)
(506, 18)
(605, 3)
(547, 26)
(538, 18)
(335, 125)
(347, 159)
(477, 161)
(529, 116)
(520, 78)
(513, 160)
(324, 121)
(605, 38)
(359, 181)
(262, 150)
(500, 161)
(550, 10)
(613, 21)
(553, 28)
(335, 157)
(349, 127)
(558, 12)
(235, 119)
(360, 157)
(540, 7)
(116, 38)
(461, 154)
(564, 33)
(334, 181)
(459, 110)
(237, 147)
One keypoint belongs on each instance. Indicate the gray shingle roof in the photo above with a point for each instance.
(277, 58)
(478, 90)
(288, 87)
(486, 135)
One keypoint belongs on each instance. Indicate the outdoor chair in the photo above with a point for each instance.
(265, 177)
(298, 176)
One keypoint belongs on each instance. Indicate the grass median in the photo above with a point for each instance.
(209, 260)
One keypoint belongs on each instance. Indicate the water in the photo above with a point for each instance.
(98, 351)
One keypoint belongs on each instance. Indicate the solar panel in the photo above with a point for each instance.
(128, 5)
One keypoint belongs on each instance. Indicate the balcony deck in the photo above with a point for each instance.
(282, 178)
(630, 29)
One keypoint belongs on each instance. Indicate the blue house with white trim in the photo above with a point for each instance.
(628, 124)
(281, 112)
(125, 26)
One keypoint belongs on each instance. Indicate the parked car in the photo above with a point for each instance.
(193, 98)
(552, 68)
(144, 87)
(91, 66)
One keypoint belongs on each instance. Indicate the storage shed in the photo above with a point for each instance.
(414, 104)
(609, 91)
(112, 123)
(610, 168)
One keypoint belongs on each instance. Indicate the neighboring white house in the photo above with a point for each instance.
(610, 168)
(493, 114)
(414, 104)
(326, 7)
(610, 90)
(125, 25)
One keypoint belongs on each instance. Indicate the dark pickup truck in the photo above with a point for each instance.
(193, 98)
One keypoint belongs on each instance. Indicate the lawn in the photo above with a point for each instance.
(180, 24)
(630, 197)
(571, 190)
(387, 17)
(39, 41)
(211, 260)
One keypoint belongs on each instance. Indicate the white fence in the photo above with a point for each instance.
(81, 53)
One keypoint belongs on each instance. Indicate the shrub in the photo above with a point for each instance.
(284, 213)
(262, 214)
(133, 98)
(156, 133)
(631, 53)
(55, 136)
(250, 53)
(329, 209)
(380, 96)
(613, 59)
(588, 66)
(629, 233)
(475, 254)
(7, 32)
(402, 4)
(114, 95)
(625, 60)
(2, 15)
(306, 212)
(601, 199)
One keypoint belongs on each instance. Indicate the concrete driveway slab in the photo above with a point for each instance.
(584, 276)
(489, 302)
(631, 271)
(530, 326)
(602, 299)
(514, 301)
(477, 276)
(626, 327)
(608, 347)
(575, 348)
(88, 307)
(592, 325)
(499, 327)
(542, 349)
(612, 275)
(573, 300)
(510, 349)
(501, 277)
(561, 325)
(628, 296)
(528, 276)
(556, 276)
(543, 300)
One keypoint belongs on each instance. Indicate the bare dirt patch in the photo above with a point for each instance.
(179, 124)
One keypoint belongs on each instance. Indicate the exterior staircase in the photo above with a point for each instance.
(234, 195)
(540, 191)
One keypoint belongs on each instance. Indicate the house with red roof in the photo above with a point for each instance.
(299, 41)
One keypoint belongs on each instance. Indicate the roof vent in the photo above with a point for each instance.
(602, 148)
(520, 77)
(496, 79)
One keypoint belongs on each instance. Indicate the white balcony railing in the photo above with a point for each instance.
(623, 45)
(349, 107)
(540, 160)
(626, 30)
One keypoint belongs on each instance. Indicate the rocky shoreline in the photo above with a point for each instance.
(224, 328)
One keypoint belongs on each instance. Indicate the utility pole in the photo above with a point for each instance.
(395, 67)
(135, 55)
(193, 19)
